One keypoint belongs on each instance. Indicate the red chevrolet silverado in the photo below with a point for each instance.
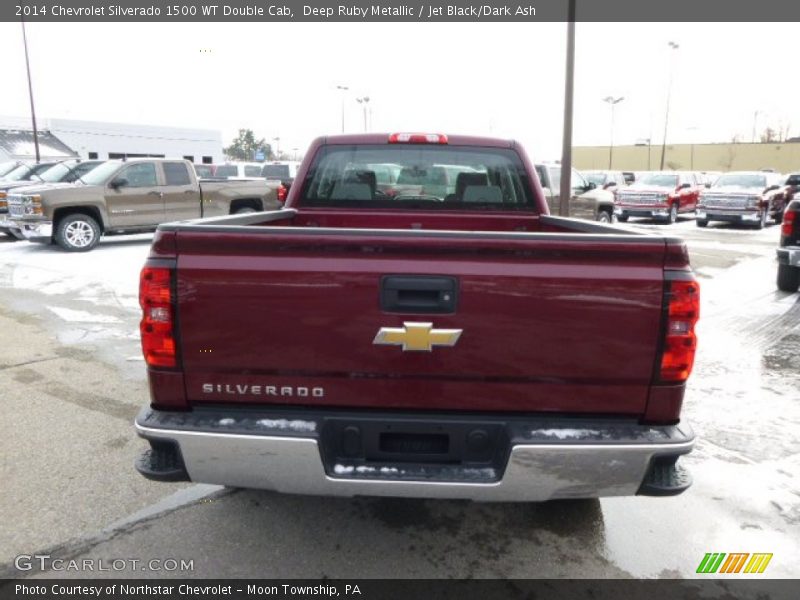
(456, 342)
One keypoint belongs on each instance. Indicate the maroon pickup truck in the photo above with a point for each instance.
(456, 344)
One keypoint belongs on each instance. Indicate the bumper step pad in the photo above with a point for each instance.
(665, 479)
(162, 462)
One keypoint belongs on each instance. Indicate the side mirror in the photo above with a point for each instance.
(590, 186)
(708, 184)
(610, 185)
(772, 188)
(684, 186)
(118, 183)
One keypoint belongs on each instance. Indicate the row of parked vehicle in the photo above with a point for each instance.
(74, 203)
(746, 197)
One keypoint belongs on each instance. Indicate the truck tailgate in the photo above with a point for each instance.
(549, 323)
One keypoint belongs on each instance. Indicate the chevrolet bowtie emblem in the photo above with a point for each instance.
(419, 337)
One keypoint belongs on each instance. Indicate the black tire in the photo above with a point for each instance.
(673, 214)
(77, 233)
(622, 218)
(11, 237)
(604, 216)
(778, 216)
(702, 222)
(762, 220)
(788, 278)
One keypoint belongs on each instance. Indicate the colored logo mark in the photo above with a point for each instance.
(737, 562)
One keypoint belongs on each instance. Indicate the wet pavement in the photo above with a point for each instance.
(72, 376)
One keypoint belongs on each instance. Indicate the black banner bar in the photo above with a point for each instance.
(398, 10)
(730, 588)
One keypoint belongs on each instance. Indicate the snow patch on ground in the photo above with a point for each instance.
(81, 316)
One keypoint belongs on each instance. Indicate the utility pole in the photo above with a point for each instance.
(365, 101)
(343, 89)
(612, 102)
(566, 144)
(673, 46)
(30, 93)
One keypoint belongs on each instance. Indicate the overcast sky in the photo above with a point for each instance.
(505, 80)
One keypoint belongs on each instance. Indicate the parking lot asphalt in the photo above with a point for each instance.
(72, 379)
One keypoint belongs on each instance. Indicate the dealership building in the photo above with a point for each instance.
(66, 138)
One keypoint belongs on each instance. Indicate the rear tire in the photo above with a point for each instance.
(788, 278)
(11, 237)
(702, 223)
(77, 233)
(622, 218)
(778, 216)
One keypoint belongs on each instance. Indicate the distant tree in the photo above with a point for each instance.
(245, 146)
(769, 135)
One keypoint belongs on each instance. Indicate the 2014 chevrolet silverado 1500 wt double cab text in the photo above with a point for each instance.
(458, 344)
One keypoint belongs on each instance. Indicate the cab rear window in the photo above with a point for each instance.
(275, 172)
(417, 176)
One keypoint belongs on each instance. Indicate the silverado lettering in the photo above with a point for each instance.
(267, 390)
(413, 322)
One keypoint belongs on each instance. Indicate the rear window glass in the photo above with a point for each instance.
(275, 171)
(251, 171)
(204, 171)
(176, 174)
(417, 176)
(226, 171)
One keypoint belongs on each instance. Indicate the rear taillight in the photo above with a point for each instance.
(417, 138)
(790, 221)
(282, 192)
(680, 341)
(155, 298)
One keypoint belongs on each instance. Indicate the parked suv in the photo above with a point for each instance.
(661, 195)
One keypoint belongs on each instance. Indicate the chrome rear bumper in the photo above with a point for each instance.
(554, 463)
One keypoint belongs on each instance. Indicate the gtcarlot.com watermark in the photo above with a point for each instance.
(45, 562)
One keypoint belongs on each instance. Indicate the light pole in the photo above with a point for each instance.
(343, 89)
(277, 141)
(294, 153)
(673, 46)
(566, 142)
(612, 102)
(30, 93)
(365, 101)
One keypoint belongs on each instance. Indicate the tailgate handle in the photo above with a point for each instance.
(419, 294)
